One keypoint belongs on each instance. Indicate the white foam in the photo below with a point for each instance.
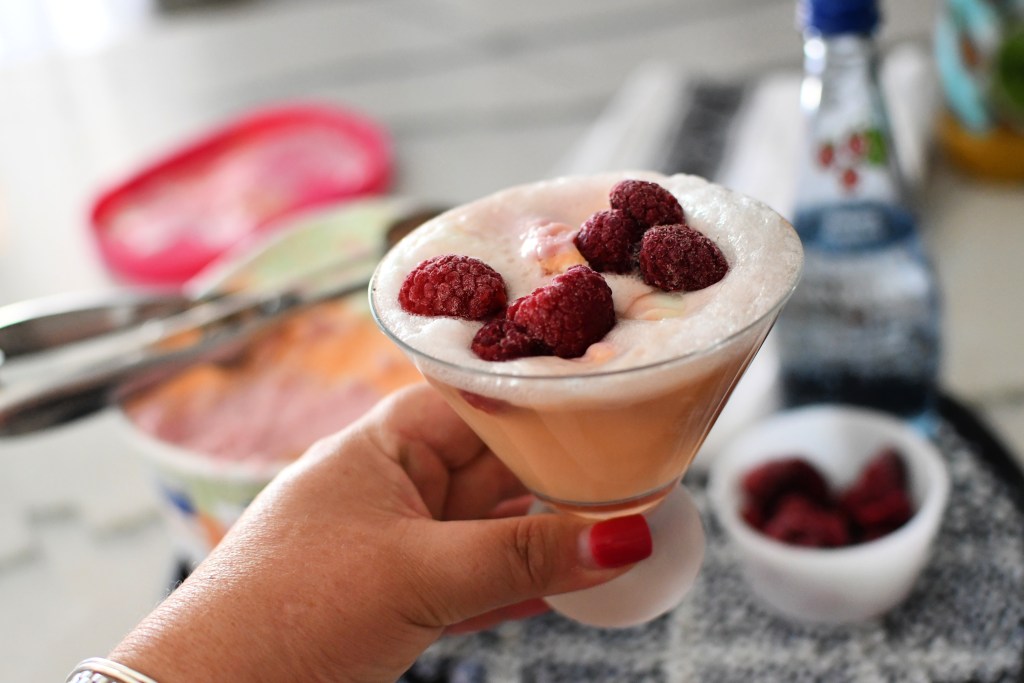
(763, 252)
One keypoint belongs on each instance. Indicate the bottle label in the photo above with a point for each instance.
(855, 226)
(848, 160)
(848, 154)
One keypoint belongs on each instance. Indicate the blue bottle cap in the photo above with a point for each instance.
(831, 17)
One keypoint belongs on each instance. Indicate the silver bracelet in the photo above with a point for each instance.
(100, 670)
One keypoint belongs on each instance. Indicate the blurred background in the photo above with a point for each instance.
(475, 95)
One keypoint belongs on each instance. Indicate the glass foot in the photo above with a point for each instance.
(653, 586)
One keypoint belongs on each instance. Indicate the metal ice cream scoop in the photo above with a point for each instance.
(68, 356)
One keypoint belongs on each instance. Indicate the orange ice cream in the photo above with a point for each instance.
(308, 377)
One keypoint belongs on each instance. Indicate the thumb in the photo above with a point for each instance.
(487, 564)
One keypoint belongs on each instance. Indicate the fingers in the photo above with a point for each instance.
(480, 566)
(519, 610)
(477, 488)
(513, 507)
(419, 415)
(458, 477)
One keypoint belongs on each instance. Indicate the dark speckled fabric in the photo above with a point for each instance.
(963, 622)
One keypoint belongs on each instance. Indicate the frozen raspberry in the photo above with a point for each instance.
(454, 286)
(500, 340)
(885, 472)
(879, 502)
(647, 203)
(767, 484)
(607, 240)
(568, 315)
(882, 515)
(678, 258)
(801, 521)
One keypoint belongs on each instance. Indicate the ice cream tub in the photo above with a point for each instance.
(200, 496)
(218, 432)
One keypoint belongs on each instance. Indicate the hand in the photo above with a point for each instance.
(361, 553)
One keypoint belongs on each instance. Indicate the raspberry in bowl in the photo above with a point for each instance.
(832, 510)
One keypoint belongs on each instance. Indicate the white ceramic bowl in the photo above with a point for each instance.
(832, 585)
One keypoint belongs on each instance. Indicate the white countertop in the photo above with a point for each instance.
(477, 94)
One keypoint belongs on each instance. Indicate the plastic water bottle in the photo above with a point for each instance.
(863, 325)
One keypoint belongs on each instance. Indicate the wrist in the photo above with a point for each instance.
(100, 670)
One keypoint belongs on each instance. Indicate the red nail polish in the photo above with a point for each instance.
(620, 541)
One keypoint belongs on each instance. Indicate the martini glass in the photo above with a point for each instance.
(606, 444)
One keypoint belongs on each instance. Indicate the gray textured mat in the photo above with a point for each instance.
(963, 622)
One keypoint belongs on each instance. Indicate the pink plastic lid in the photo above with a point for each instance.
(168, 222)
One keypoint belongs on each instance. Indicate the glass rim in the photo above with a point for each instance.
(773, 310)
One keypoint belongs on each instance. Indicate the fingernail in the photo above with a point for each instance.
(620, 541)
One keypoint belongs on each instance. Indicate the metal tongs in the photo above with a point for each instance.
(68, 356)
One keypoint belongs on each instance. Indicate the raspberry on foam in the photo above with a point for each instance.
(568, 315)
(576, 309)
(678, 258)
(500, 340)
(647, 203)
(453, 286)
(646, 230)
(607, 240)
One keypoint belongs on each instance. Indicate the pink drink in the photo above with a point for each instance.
(613, 431)
(606, 457)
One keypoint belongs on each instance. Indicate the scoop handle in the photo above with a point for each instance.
(131, 359)
(47, 323)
